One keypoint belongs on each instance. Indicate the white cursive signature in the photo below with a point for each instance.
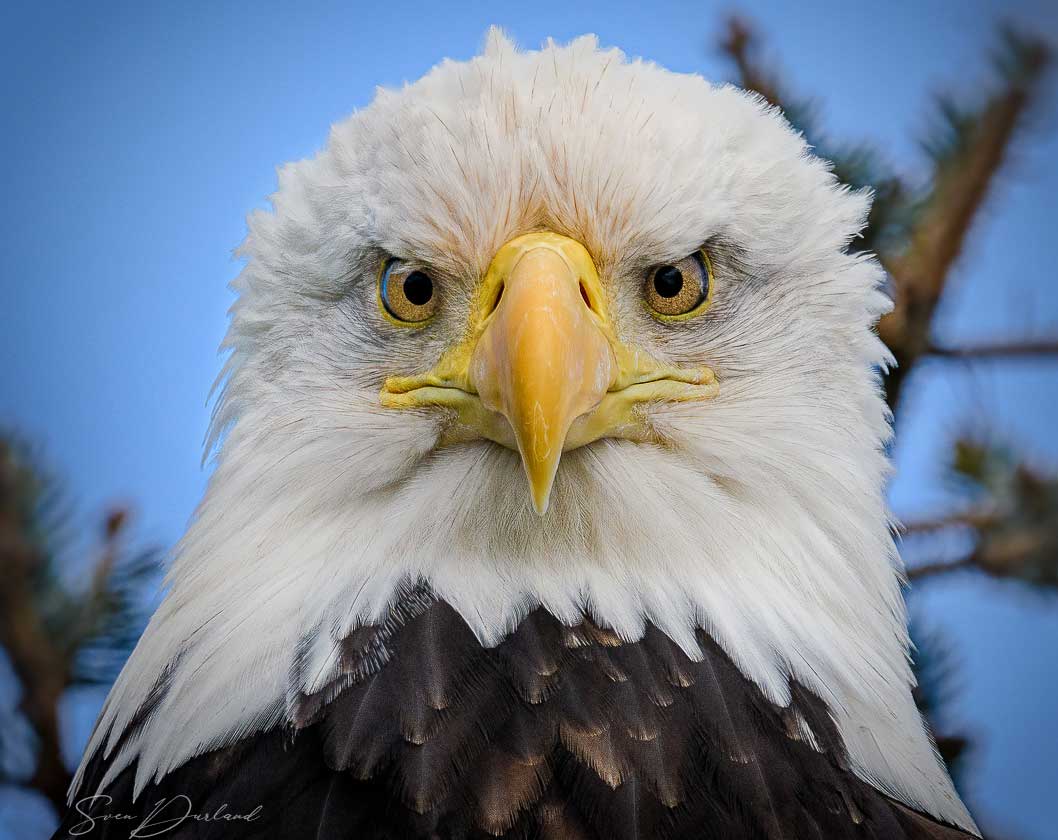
(166, 815)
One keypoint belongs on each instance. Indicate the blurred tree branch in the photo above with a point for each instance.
(1013, 522)
(53, 636)
(739, 42)
(966, 160)
(918, 234)
(973, 519)
(37, 664)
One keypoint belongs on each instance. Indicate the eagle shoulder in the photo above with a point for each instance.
(558, 732)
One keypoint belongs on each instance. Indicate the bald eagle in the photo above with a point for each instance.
(548, 499)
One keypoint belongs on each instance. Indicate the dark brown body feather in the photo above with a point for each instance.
(559, 732)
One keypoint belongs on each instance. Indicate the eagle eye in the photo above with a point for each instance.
(407, 296)
(679, 290)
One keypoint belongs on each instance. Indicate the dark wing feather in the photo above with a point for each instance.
(559, 732)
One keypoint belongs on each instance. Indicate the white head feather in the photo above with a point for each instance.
(763, 520)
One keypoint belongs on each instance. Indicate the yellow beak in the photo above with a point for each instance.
(541, 369)
(542, 360)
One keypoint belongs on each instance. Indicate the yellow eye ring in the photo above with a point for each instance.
(682, 290)
(406, 296)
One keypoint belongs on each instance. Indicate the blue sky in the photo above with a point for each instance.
(139, 135)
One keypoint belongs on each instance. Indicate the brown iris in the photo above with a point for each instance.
(407, 295)
(680, 288)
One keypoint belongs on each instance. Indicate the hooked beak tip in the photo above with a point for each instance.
(541, 496)
(541, 474)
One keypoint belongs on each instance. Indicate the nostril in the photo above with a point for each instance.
(496, 300)
(584, 294)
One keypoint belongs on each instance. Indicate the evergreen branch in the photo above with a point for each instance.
(40, 666)
(739, 43)
(1023, 553)
(857, 165)
(1013, 519)
(917, 237)
(972, 519)
(965, 169)
(94, 605)
(47, 630)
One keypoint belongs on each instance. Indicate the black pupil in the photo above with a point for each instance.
(418, 288)
(668, 281)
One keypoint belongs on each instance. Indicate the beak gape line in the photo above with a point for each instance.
(541, 369)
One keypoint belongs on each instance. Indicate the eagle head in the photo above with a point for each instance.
(548, 329)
